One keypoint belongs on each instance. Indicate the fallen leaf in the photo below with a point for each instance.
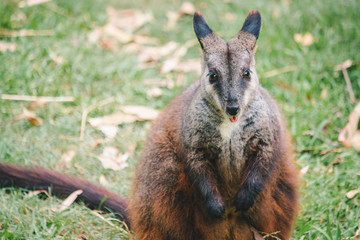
(172, 19)
(112, 120)
(231, 17)
(6, 46)
(35, 193)
(351, 194)
(103, 180)
(141, 112)
(117, 33)
(172, 62)
(112, 159)
(306, 40)
(191, 65)
(37, 104)
(67, 156)
(29, 3)
(343, 65)
(30, 116)
(275, 14)
(149, 54)
(350, 135)
(128, 20)
(109, 131)
(154, 92)
(304, 170)
(69, 200)
(357, 233)
(324, 93)
(132, 148)
(187, 8)
(334, 163)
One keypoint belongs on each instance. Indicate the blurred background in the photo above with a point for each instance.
(108, 67)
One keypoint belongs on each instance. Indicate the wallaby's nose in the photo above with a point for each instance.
(233, 109)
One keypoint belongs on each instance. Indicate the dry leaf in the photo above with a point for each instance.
(351, 194)
(357, 233)
(171, 63)
(112, 159)
(172, 19)
(323, 93)
(132, 148)
(188, 66)
(306, 40)
(29, 3)
(30, 116)
(187, 8)
(120, 26)
(343, 65)
(128, 20)
(37, 104)
(117, 33)
(231, 17)
(109, 131)
(304, 170)
(112, 120)
(67, 156)
(149, 54)
(103, 180)
(35, 193)
(154, 92)
(69, 200)
(141, 112)
(6, 46)
(350, 135)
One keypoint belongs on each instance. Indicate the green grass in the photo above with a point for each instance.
(92, 74)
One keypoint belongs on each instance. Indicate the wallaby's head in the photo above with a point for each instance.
(229, 80)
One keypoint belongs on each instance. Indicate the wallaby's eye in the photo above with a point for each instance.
(212, 77)
(246, 73)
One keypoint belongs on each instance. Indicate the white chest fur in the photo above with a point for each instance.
(227, 127)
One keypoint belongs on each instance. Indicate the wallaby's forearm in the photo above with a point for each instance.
(202, 177)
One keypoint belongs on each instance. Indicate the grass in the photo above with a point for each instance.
(92, 74)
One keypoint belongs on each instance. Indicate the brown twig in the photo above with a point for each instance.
(37, 98)
(278, 71)
(343, 67)
(25, 33)
(348, 84)
(88, 110)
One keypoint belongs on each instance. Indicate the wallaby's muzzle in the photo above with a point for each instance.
(233, 110)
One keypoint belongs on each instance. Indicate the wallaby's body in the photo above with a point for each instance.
(217, 163)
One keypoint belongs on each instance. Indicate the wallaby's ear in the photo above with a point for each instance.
(252, 23)
(200, 27)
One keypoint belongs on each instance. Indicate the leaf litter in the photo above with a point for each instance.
(68, 201)
(349, 136)
(111, 158)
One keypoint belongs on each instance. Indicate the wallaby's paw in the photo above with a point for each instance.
(215, 207)
(243, 201)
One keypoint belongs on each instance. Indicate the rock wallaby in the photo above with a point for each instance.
(217, 163)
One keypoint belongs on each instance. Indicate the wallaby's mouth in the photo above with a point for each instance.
(233, 119)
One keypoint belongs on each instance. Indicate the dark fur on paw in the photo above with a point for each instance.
(215, 207)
